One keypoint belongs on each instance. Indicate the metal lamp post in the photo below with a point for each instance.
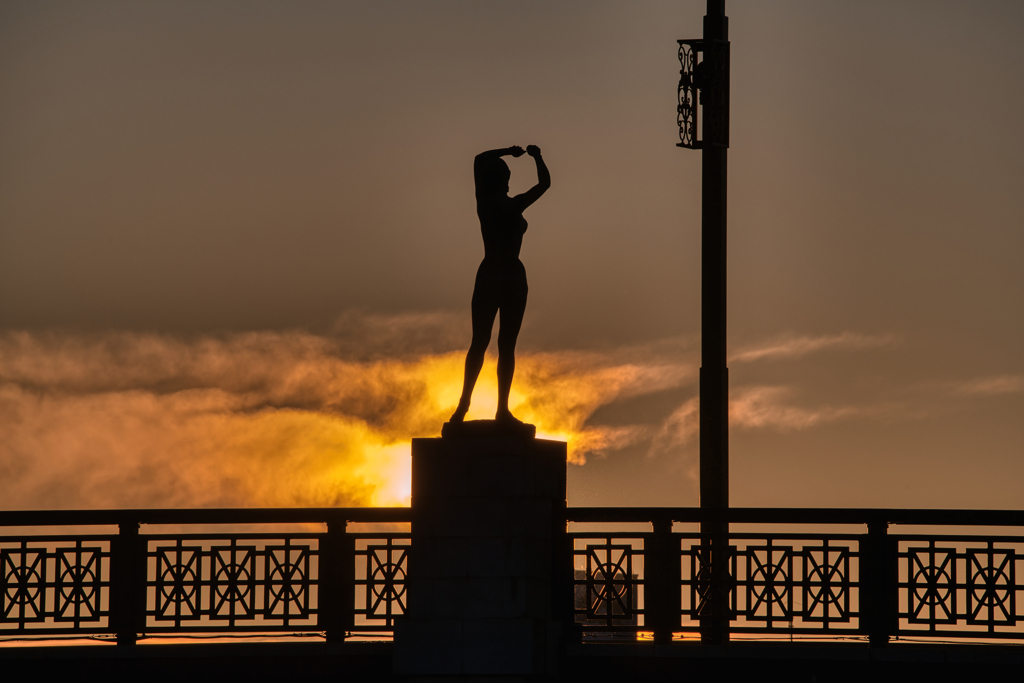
(705, 83)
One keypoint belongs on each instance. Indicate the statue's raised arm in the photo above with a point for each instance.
(485, 164)
(522, 201)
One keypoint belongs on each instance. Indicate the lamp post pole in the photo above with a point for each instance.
(708, 80)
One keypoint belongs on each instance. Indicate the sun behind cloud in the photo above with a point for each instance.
(257, 419)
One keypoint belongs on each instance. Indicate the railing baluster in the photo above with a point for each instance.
(662, 586)
(127, 583)
(878, 596)
(337, 575)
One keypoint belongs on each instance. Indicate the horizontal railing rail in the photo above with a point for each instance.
(943, 517)
(15, 518)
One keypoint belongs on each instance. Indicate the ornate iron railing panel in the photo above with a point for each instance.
(805, 584)
(608, 581)
(236, 582)
(960, 586)
(54, 584)
(129, 583)
(382, 565)
(780, 583)
(875, 586)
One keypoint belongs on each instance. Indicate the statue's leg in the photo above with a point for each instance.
(485, 308)
(512, 309)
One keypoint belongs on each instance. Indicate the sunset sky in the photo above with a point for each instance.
(238, 242)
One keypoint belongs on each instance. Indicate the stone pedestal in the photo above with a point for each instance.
(488, 519)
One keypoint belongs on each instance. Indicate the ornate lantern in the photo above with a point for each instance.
(704, 82)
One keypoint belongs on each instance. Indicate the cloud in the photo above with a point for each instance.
(679, 429)
(750, 407)
(290, 418)
(768, 407)
(795, 347)
(191, 448)
(270, 418)
(990, 386)
(358, 335)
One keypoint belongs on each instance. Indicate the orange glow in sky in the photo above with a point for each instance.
(260, 419)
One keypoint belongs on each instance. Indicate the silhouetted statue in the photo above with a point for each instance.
(501, 278)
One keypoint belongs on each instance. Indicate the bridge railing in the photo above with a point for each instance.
(872, 574)
(882, 574)
(347, 579)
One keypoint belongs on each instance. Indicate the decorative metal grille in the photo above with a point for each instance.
(242, 582)
(960, 585)
(767, 590)
(686, 111)
(54, 584)
(828, 582)
(608, 582)
(382, 564)
(697, 579)
(794, 584)
(798, 583)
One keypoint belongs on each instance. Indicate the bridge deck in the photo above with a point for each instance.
(364, 661)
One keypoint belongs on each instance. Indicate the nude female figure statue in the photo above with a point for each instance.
(501, 278)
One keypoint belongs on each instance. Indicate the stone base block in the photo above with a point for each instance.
(428, 646)
(488, 513)
(503, 646)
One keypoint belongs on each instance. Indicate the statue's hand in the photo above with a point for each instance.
(515, 150)
(533, 150)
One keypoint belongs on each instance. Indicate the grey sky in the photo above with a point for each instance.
(192, 168)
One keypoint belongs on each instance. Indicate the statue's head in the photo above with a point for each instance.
(494, 177)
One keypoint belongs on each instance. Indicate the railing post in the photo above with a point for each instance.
(879, 598)
(127, 583)
(662, 586)
(337, 582)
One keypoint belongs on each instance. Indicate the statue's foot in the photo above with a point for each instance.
(507, 417)
(459, 415)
